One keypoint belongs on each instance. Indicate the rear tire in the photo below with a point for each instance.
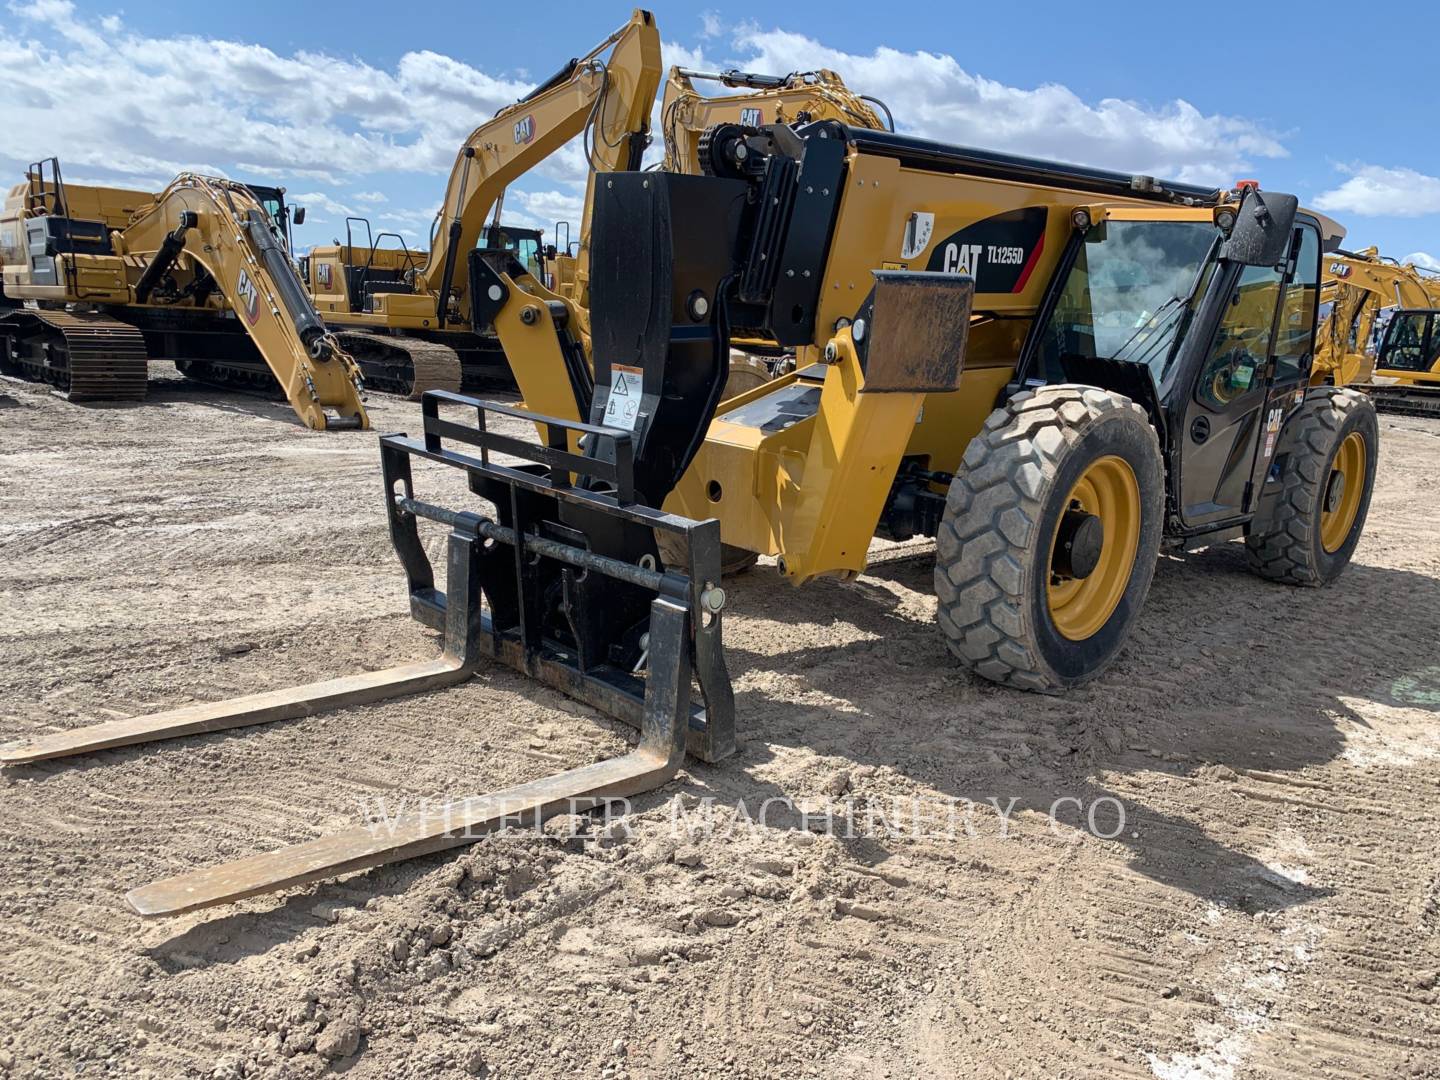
(1006, 611)
(1311, 527)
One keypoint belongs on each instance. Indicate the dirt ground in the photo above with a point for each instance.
(1270, 908)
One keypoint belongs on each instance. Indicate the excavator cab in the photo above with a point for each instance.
(1411, 343)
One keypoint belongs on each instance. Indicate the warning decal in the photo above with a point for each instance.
(622, 409)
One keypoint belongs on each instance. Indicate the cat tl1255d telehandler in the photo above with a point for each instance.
(1054, 370)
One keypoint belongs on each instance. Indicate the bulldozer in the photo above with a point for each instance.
(407, 315)
(1055, 371)
(106, 279)
(1402, 373)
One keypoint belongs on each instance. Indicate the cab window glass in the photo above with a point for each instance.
(529, 255)
(1405, 342)
(1294, 338)
(1238, 356)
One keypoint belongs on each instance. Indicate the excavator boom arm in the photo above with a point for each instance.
(608, 99)
(220, 226)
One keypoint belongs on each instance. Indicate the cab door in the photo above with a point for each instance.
(1257, 357)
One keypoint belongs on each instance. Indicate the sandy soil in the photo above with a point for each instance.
(1271, 907)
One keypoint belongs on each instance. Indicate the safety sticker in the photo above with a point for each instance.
(622, 410)
(917, 233)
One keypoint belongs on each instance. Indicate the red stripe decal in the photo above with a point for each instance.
(1030, 265)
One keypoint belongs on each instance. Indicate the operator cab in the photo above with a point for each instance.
(526, 245)
(1215, 342)
(272, 199)
(1412, 342)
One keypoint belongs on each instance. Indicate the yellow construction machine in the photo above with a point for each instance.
(1057, 372)
(111, 278)
(411, 317)
(689, 120)
(1401, 372)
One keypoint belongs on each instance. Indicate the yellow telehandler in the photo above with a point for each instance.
(106, 279)
(1055, 371)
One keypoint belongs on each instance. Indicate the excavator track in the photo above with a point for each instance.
(89, 356)
(404, 366)
(1402, 400)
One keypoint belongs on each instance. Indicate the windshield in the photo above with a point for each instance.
(523, 244)
(1126, 296)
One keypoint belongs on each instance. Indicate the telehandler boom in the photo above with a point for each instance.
(1053, 370)
(103, 296)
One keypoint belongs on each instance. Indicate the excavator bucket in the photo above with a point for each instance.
(562, 581)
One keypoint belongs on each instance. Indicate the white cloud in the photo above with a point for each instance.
(933, 96)
(542, 209)
(109, 99)
(1424, 260)
(318, 200)
(1378, 191)
(129, 108)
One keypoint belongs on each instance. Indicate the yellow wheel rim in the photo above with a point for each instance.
(1079, 607)
(1337, 515)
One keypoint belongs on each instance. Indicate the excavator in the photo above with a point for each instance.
(111, 278)
(801, 97)
(407, 316)
(1055, 371)
(381, 299)
(1403, 374)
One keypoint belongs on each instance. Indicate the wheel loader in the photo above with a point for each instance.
(199, 273)
(1401, 375)
(1056, 371)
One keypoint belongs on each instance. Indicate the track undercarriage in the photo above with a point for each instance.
(1400, 399)
(87, 355)
(408, 366)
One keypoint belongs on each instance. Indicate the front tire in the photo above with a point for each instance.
(1049, 538)
(1312, 525)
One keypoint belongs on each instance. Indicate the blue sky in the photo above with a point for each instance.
(353, 109)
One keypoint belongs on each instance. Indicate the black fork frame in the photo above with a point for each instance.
(603, 483)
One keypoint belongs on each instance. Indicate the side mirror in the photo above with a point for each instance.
(299, 215)
(549, 251)
(1262, 229)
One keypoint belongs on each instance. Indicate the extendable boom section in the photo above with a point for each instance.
(220, 226)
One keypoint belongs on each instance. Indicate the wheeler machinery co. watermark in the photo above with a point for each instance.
(872, 817)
